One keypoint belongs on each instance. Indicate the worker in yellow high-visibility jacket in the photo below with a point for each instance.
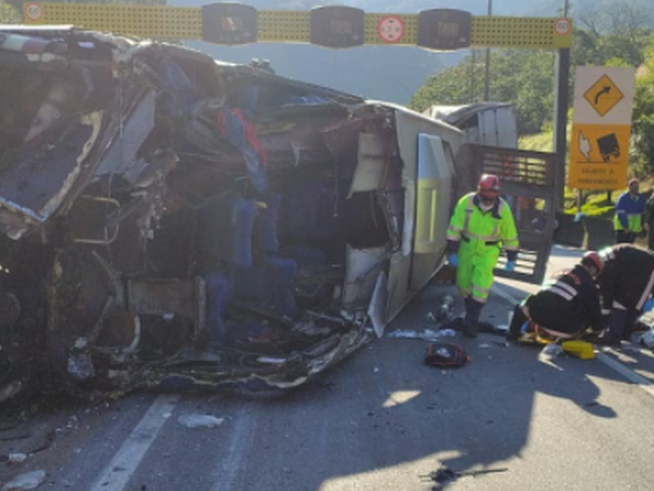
(481, 226)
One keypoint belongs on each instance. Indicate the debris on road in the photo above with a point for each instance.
(17, 458)
(446, 355)
(10, 390)
(489, 328)
(445, 475)
(551, 351)
(426, 335)
(502, 344)
(25, 482)
(193, 421)
(443, 313)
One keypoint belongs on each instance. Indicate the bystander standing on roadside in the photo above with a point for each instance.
(629, 210)
(649, 220)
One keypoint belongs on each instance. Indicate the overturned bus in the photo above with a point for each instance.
(169, 221)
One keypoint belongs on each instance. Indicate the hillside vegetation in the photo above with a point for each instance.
(616, 33)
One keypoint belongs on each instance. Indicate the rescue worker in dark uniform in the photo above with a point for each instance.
(626, 289)
(565, 306)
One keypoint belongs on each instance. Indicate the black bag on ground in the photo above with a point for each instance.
(446, 355)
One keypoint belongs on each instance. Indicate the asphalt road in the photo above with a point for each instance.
(379, 421)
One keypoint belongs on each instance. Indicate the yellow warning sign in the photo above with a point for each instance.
(603, 95)
(599, 156)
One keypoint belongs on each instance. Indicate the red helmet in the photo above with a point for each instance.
(592, 258)
(489, 186)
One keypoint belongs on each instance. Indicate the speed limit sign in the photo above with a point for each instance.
(562, 26)
(390, 29)
(33, 11)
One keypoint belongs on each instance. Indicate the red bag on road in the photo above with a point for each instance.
(446, 355)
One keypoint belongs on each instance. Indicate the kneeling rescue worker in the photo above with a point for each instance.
(481, 225)
(565, 305)
(626, 289)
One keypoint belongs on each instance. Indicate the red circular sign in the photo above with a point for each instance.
(34, 11)
(562, 26)
(390, 29)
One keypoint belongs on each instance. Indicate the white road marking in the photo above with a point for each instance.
(633, 377)
(502, 293)
(609, 361)
(243, 437)
(117, 474)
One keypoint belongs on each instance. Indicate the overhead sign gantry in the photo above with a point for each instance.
(330, 26)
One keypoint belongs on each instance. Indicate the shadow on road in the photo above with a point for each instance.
(385, 408)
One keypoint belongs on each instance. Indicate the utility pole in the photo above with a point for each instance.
(472, 76)
(488, 60)
(561, 96)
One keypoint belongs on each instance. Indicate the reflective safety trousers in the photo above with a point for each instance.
(481, 236)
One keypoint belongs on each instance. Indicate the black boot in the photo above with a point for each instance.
(473, 309)
(519, 318)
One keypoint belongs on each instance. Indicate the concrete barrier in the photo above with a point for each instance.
(569, 232)
(588, 233)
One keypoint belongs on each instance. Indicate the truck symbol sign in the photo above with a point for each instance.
(609, 147)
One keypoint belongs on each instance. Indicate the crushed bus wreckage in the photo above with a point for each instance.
(173, 222)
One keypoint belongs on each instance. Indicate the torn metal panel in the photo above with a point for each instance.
(399, 291)
(133, 132)
(372, 163)
(40, 179)
(378, 305)
(362, 267)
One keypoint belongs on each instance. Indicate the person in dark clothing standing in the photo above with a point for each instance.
(625, 288)
(649, 220)
(566, 305)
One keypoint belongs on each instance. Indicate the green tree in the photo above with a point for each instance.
(453, 86)
(643, 116)
(615, 35)
(8, 14)
(523, 77)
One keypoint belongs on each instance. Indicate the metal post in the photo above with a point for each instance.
(472, 76)
(488, 60)
(561, 96)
